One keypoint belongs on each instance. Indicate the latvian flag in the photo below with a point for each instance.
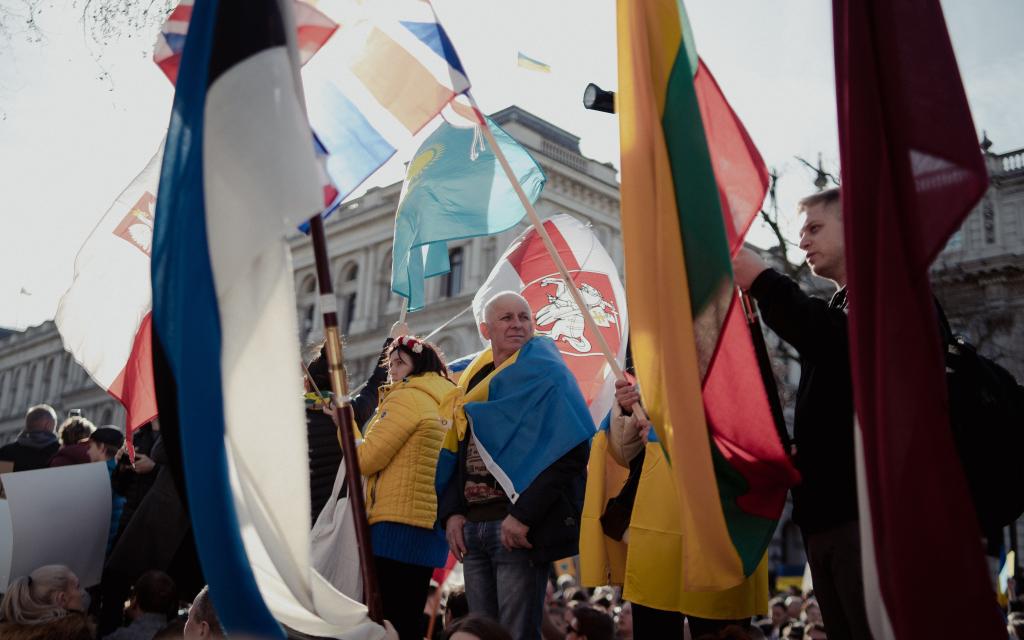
(238, 174)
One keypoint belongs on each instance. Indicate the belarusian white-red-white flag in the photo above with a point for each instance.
(104, 318)
(527, 268)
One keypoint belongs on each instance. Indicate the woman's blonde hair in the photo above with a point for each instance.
(31, 599)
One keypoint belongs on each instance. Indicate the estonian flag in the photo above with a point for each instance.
(238, 174)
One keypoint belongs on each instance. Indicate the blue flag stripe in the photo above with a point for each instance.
(434, 36)
(187, 324)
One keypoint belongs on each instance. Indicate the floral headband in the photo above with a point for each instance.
(411, 343)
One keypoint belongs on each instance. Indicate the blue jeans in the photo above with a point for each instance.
(503, 584)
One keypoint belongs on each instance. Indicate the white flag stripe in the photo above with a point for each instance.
(878, 617)
(101, 312)
(258, 185)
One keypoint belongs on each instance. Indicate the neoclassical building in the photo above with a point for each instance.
(979, 276)
(359, 238)
(35, 368)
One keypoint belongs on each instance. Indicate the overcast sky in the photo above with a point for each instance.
(78, 119)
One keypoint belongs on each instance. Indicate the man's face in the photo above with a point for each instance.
(821, 236)
(194, 629)
(508, 324)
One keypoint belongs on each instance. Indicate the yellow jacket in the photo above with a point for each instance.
(650, 562)
(399, 451)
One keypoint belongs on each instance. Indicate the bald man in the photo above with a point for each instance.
(507, 536)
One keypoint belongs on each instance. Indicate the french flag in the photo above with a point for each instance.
(238, 175)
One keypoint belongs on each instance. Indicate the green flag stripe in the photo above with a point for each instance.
(688, 42)
(750, 534)
(700, 212)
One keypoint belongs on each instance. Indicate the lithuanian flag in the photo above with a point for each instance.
(692, 182)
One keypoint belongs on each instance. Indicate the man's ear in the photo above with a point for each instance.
(485, 331)
(60, 599)
(204, 629)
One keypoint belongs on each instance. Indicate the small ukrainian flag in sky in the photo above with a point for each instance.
(527, 62)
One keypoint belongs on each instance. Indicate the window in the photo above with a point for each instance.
(988, 216)
(348, 287)
(451, 285)
(388, 300)
(307, 307)
(5, 391)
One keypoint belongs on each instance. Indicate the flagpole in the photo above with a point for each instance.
(344, 418)
(588, 319)
(764, 363)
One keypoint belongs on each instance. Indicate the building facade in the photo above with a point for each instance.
(35, 368)
(359, 239)
(979, 276)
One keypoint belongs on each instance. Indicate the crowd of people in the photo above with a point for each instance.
(491, 467)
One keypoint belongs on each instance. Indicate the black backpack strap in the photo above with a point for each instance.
(945, 329)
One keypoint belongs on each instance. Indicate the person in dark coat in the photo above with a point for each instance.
(74, 437)
(158, 536)
(134, 481)
(825, 502)
(507, 546)
(37, 444)
(324, 447)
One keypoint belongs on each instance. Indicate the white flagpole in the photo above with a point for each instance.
(550, 246)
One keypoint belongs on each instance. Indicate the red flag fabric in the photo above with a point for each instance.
(911, 171)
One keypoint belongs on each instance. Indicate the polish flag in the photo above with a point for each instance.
(526, 267)
(104, 318)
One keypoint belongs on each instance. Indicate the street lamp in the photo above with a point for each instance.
(597, 99)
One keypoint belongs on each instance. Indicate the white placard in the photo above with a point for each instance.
(58, 516)
(6, 544)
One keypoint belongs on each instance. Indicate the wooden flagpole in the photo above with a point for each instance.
(345, 420)
(550, 246)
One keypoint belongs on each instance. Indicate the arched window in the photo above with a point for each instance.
(451, 283)
(30, 385)
(306, 302)
(48, 387)
(388, 301)
(18, 390)
(5, 392)
(347, 289)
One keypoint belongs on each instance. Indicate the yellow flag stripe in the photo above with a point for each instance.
(662, 332)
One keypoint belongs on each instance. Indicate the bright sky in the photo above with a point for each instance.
(78, 119)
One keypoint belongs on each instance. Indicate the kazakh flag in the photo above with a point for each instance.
(455, 188)
(692, 182)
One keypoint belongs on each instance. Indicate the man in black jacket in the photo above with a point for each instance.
(37, 443)
(508, 546)
(825, 502)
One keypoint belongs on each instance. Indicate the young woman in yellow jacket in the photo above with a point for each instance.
(398, 455)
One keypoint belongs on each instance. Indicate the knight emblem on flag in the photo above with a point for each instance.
(527, 268)
(565, 318)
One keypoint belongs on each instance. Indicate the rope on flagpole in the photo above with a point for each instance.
(448, 322)
(552, 251)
